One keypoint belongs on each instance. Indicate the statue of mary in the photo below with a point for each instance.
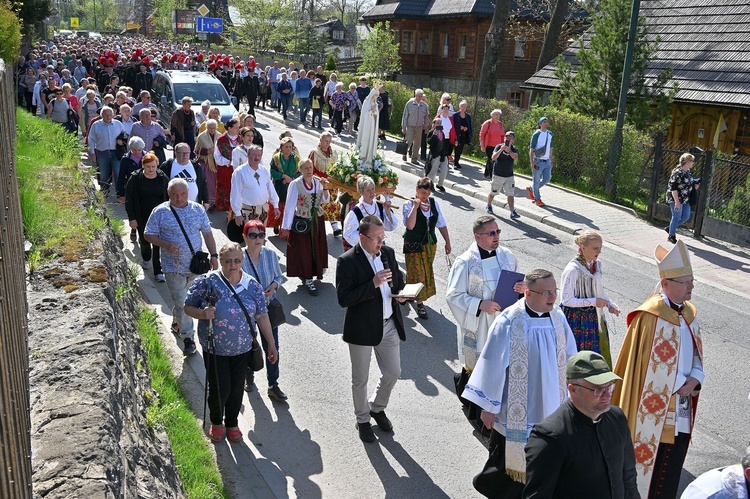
(367, 139)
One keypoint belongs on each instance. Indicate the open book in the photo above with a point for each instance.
(410, 291)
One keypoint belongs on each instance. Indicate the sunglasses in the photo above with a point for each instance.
(491, 233)
(255, 235)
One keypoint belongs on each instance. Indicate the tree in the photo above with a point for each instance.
(269, 24)
(552, 36)
(593, 87)
(380, 52)
(32, 13)
(493, 49)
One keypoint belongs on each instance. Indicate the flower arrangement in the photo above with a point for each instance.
(349, 167)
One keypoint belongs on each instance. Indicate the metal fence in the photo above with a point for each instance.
(729, 196)
(15, 422)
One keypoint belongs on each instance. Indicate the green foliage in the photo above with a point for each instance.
(593, 89)
(738, 208)
(10, 34)
(171, 411)
(32, 13)
(308, 41)
(269, 24)
(380, 52)
(330, 63)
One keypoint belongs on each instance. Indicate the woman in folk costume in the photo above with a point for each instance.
(323, 158)
(239, 153)
(225, 144)
(284, 169)
(306, 250)
(583, 296)
(205, 145)
(661, 366)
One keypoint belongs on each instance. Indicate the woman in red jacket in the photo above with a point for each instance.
(491, 134)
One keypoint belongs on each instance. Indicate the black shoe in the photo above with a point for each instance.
(249, 383)
(382, 420)
(666, 229)
(337, 233)
(672, 239)
(189, 347)
(457, 166)
(365, 433)
(440, 188)
(276, 393)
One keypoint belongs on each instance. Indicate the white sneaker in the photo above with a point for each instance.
(146, 265)
(160, 278)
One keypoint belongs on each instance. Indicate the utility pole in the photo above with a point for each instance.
(616, 145)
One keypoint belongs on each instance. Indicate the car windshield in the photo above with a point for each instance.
(214, 92)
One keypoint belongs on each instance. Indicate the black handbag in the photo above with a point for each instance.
(693, 199)
(410, 248)
(256, 353)
(401, 147)
(200, 263)
(275, 310)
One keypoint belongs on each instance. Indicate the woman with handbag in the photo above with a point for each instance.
(262, 264)
(304, 227)
(422, 216)
(228, 304)
(681, 184)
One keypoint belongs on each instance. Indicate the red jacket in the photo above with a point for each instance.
(492, 134)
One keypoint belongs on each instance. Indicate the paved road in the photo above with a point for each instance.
(309, 447)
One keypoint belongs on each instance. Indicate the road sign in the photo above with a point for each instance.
(74, 22)
(209, 25)
(202, 10)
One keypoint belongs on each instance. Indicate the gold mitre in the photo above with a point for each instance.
(673, 263)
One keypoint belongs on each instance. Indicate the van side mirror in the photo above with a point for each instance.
(163, 100)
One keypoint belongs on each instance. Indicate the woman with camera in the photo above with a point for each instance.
(262, 264)
(304, 227)
(228, 304)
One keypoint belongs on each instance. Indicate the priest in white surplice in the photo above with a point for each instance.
(519, 380)
(471, 287)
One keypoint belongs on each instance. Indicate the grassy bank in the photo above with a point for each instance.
(200, 475)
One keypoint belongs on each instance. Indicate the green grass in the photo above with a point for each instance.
(195, 461)
(51, 188)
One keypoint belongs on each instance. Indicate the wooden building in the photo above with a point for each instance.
(441, 42)
(704, 43)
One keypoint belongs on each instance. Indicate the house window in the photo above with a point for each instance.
(338, 35)
(425, 43)
(523, 49)
(516, 99)
(462, 46)
(407, 42)
(445, 45)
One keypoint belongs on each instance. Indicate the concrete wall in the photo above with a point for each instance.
(455, 85)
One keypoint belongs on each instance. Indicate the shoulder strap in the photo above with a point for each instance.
(358, 213)
(250, 322)
(179, 222)
(381, 210)
(252, 266)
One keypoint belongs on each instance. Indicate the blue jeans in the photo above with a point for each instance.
(541, 174)
(108, 165)
(274, 95)
(286, 103)
(304, 105)
(679, 217)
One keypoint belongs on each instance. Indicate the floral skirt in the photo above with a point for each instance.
(332, 210)
(419, 269)
(588, 332)
(210, 179)
(307, 254)
(223, 187)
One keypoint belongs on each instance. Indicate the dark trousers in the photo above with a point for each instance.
(330, 109)
(272, 370)
(667, 468)
(226, 398)
(488, 166)
(29, 96)
(493, 482)
(148, 251)
(338, 120)
(319, 113)
(457, 153)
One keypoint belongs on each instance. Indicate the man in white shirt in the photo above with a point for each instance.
(252, 189)
(103, 140)
(182, 167)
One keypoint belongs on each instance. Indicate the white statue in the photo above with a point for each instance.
(367, 138)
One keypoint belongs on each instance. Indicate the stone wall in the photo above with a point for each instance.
(89, 382)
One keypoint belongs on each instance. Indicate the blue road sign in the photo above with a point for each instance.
(209, 25)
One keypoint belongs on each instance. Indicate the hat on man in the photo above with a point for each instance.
(590, 366)
(510, 133)
(543, 118)
(673, 263)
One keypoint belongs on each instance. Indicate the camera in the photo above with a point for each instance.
(439, 127)
(507, 142)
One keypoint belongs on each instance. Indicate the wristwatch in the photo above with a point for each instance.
(214, 255)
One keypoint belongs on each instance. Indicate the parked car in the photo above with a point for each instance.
(171, 86)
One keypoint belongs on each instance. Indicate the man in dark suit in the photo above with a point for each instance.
(364, 286)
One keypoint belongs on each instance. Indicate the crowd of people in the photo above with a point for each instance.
(577, 415)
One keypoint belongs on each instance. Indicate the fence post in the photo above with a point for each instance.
(653, 197)
(15, 429)
(701, 209)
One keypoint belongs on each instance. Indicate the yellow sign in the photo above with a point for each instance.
(130, 26)
(203, 10)
(74, 22)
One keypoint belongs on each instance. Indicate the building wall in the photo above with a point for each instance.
(696, 125)
(464, 87)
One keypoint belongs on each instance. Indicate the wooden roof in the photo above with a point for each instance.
(436, 9)
(705, 44)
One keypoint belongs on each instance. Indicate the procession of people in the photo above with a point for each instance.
(533, 371)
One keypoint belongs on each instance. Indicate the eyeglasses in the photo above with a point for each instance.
(183, 153)
(236, 261)
(374, 239)
(255, 235)
(598, 392)
(491, 233)
(546, 293)
(691, 282)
